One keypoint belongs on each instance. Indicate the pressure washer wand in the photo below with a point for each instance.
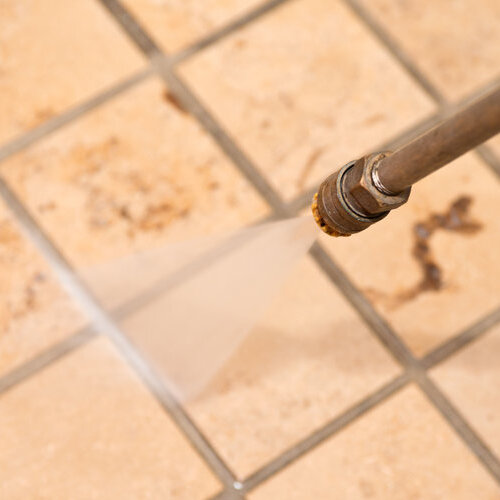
(364, 191)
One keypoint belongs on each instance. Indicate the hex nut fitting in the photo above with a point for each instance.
(364, 193)
(348, 201)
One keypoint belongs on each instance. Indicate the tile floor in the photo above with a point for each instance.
(327, 397)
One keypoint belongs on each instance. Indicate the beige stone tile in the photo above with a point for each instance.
(133, 174)
(470, 378)
(380, 260)
(54, 56)
(86, 428)
(310, 358)
(456, 44)
(305, 89)
(34, 311)
(403, 449)
(176, 24)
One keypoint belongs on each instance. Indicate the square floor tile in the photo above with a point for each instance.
(402, 449)
(134, 173)
(304, 90)
(456, 44)
(308, 359)
(34, 311)
(54, 56)
(178, 23)
(470, 378)
(460, 282)
(86, 428)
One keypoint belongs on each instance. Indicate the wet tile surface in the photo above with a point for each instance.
(176, 24)
(87, 428)
(55, 57)
(306, 361)
(401, 450)
(460, 282)
(131, 175)
(34, 311)
(303, 89)
(470, 379)
(456, 44)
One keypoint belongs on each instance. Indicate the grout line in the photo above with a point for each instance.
(103, 323)
(50, 126)
(489, 157)
(393, 47)
(463, 429)
(339, 423)
(131, 26)
(377, 324)
(46, 357)
(226, 30)
(221, 137)
(453, 345)
(228, 495)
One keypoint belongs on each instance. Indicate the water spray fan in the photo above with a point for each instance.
(364, 191)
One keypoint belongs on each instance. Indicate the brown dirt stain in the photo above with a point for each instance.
(173, 101)
(456, 219)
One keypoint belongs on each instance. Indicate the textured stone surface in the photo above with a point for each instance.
(401, 450)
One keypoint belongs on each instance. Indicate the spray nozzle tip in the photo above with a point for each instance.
(321, 222)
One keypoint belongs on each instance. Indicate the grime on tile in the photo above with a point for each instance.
(86, 427)
(131, 175)
(304, 89)
(51, 62)
(176, 24)
(435, 272)
(35, 313)
(308, 359)
(455, 44)
(402, 449)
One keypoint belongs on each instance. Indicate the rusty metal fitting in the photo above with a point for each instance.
(365, 191)
(350, 200)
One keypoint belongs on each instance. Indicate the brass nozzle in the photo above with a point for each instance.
(351, 199)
